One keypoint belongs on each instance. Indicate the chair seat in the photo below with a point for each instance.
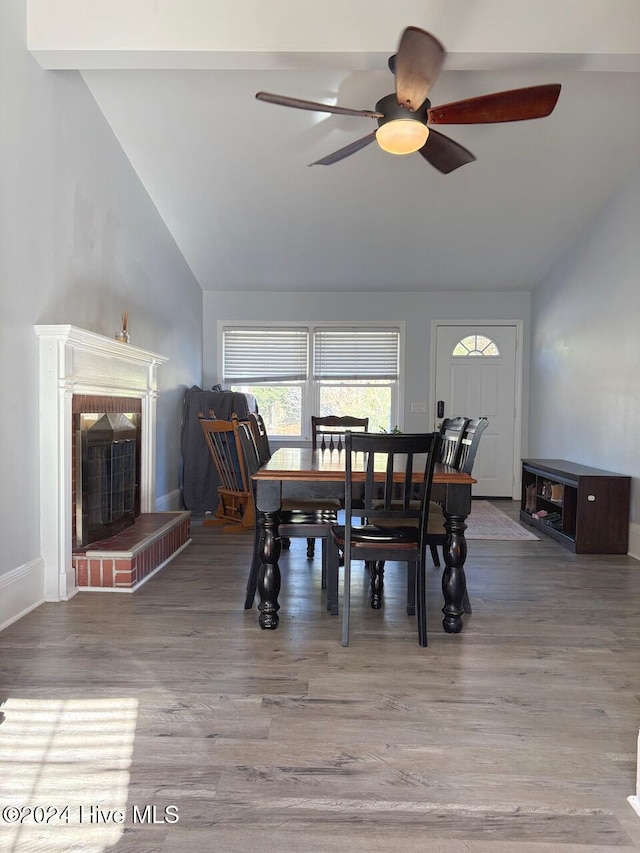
(402, 537)
(435, 523)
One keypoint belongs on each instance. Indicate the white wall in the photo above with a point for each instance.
(416, 310)
(80, 241)
(585, 381)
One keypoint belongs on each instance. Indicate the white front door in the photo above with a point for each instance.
(475, 375)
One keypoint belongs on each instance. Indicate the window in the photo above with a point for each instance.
(271, 364)
(476, 345)
(295, 372)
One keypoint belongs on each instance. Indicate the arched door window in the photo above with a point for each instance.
(476, 345)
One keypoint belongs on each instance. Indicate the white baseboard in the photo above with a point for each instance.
(171, 502)
(634, 541)
(21, 590)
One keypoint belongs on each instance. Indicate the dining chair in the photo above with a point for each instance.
(385, 500)
(236, 507)
(460, 439)
(470, 441)
(328, 432)
(260, 436)
(466, 454)
(296, 510)
(452, 432)
(294, 522)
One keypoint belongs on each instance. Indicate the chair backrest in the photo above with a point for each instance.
(260, 436)
(329, 432)
(391, 463)
(224, 445)
(250, 457)
(470, 441)
(452, 431)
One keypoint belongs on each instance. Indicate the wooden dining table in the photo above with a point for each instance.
(305, 473)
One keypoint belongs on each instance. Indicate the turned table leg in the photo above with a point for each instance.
(376, 572)
(268, 502)
(454, 582)
(269, 574)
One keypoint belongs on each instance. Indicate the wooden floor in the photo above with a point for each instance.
(517, 735)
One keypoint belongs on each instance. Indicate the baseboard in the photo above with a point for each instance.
(634, 541)
(21, 590)
(171, 502)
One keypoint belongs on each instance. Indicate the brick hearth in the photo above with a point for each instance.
(125, 561)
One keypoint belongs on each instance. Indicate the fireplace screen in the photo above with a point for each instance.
(107, 465)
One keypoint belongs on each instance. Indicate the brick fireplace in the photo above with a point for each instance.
(83, 372)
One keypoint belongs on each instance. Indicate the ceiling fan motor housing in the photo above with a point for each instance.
(392, 111)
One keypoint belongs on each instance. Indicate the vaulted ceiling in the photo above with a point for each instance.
(230, 175)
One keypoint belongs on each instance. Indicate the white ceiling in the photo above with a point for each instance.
(229, 174)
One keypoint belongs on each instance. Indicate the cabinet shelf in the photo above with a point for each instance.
(549, 501)
(594, 511)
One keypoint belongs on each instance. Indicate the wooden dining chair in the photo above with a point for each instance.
(452, 431)
(460, 438)
(464, 459)
(301, 511)
(260, 436)
(294, 522)
(386, 501)
(470, 442)
(328, 432)
(236, 507)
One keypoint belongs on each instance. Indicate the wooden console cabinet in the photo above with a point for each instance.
(587, 510)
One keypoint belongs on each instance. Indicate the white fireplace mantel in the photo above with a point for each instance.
(76, 361)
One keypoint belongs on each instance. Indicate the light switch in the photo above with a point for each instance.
(418, 407)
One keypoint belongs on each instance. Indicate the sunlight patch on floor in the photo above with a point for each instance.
(64, 773)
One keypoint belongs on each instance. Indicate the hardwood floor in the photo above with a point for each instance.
(517, 735)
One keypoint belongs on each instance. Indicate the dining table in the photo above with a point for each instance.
(301, 472)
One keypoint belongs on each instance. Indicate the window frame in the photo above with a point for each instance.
(310, 395)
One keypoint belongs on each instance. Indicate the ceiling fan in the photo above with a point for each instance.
(405, 116)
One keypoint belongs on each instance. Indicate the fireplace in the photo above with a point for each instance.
(107, 465)
(83, 373)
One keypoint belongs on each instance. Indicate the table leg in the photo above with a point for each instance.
(268, 503)
(454, 582)
(376, 571)
(269, 574)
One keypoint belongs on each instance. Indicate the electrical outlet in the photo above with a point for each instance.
(419, 407)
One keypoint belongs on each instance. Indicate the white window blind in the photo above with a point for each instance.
(356, 353)
(264, 355)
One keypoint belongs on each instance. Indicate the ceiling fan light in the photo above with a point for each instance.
(402, 136)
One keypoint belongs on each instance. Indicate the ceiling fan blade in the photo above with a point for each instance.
(417, 64)
(514, 105)
(349, 149)
(285, 101)
(443, 153)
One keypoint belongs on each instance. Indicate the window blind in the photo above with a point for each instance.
(356, 353)
(264, 355)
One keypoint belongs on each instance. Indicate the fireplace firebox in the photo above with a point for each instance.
(107, 452)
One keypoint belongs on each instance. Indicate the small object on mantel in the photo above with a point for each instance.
(123, 336)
